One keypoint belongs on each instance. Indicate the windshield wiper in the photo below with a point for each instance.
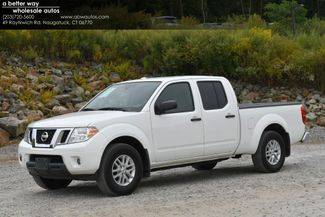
(112, 109)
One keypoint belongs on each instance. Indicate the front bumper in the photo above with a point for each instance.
(306, 134)
(44, 166)
(77, 159)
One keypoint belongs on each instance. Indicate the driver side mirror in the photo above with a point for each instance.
(161, 108)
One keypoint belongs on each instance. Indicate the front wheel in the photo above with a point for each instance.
(51, 184)
(121, 170)
(270, 154)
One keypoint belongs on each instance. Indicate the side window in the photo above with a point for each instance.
(181, 93)
(221, 95)
(212, 94)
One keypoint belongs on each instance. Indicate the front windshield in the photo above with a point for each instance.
(123, 97)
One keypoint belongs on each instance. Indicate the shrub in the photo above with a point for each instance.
(253, 54)
(46, 96)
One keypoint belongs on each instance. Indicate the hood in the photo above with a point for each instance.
(79, 119)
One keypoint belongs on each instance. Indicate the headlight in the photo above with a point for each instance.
(82, 134)
(27, 136)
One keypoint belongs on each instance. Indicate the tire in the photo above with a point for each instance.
(208, 165)
(116, 178)
(275, 160)
(51, 184)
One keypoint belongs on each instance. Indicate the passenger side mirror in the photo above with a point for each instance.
(161, 108)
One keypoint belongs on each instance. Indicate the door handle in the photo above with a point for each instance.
(230, 116)
(195, 119)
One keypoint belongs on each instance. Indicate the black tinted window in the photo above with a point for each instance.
(181, 93)
(212, 94)
(221, 95)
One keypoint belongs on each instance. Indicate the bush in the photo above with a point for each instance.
(250, 54)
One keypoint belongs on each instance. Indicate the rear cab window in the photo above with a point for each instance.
(213, 95)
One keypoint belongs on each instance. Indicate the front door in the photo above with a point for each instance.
(177, 133)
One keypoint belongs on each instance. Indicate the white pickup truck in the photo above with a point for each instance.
(135, 127)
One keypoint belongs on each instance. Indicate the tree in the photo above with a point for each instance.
(288, 14)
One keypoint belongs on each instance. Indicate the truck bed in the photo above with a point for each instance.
(261, 105)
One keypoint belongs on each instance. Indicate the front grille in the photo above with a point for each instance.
(64, 137)
(44, 136)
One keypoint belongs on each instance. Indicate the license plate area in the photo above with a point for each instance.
(42, 163)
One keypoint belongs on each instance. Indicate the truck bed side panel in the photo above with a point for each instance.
(256, 118)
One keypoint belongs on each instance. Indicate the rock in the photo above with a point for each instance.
(13, 126)
(311, 116)
(59, 88)
(77, 100)
(68, 73)
(64, 98)
(79, 91)
(312, 101)
(5, 106)
(57, 79)
(41, 86)
(57, 72)
(17, 106)
(87, 93)
(4, 137)
(32, 77)
(322, 100)
(316, 97)
(251, 96)
(52, 103)
(79, 105)
(321, 121)
(11, 95)
(17, 87)
(95, 85)
(283, 97)
(59, 110)
(114, 77)
(34, 115)
(21, 115)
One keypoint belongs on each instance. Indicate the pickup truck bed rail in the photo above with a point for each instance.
(261, 105)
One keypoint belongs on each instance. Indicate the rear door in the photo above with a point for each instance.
(220, 118)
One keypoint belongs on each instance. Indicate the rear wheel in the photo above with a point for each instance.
(121, 170)
(208, 165)
(270, 155)
(51, 184)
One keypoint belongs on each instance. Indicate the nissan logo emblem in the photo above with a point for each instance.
(44, 136)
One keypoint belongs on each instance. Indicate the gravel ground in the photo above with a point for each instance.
(233, 188)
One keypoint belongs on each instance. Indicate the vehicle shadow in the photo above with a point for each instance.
(171, 177)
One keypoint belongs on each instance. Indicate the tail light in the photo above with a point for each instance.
(303, 114)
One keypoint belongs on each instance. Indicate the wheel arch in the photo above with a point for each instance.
(271, 122)
(135, 143)
(285, 135)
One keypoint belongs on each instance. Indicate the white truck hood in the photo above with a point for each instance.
(79, 119)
